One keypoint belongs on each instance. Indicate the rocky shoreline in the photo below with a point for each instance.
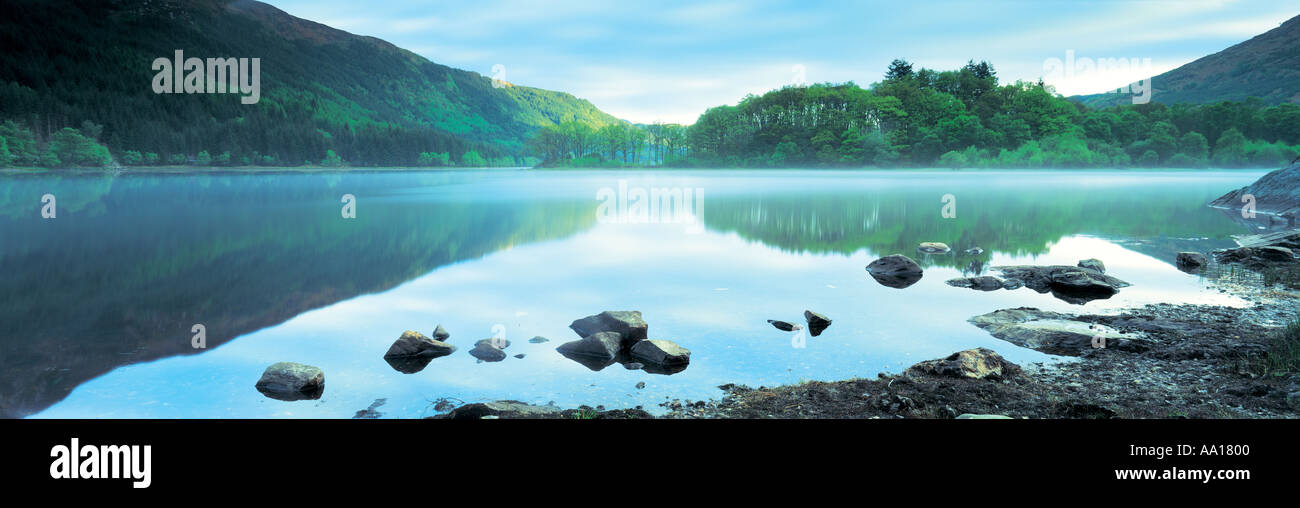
(1156, 361)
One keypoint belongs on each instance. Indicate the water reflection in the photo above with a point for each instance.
(266, 258)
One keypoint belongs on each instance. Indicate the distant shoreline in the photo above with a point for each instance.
(379, 169)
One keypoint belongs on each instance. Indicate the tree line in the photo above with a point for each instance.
(961, 118)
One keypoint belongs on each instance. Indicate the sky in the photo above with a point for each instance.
(669, 61)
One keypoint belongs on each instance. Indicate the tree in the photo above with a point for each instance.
(899, 69)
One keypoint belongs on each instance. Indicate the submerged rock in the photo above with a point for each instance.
(816, 322)
(660, 352)
(982, 283)
(980, 363)
(539, 339)
(628, 324)
(291, 381)
(933, 248)
(413, 344)
(896, 271)
(1093, 263)
(495, 342)
(1054, 333)
(784, 326)
(1191, 261)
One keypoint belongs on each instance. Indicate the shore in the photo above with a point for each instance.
(1179, 361)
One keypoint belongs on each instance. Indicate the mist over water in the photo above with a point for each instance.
(101, 300)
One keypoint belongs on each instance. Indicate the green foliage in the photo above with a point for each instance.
(86, 65)
(473, 159)
(70, 147)
(434, 159)
(332, 160)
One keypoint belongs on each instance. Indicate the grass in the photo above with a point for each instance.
(1282, 356)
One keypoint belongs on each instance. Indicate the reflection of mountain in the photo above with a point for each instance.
(1018, 223)
(121, 277)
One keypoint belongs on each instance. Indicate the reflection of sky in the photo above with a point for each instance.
(711, 293)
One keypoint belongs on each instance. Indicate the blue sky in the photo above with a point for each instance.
(669, 61)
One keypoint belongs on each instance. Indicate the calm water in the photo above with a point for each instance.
(99, 302)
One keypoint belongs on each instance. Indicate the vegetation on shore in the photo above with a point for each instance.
(960, 118)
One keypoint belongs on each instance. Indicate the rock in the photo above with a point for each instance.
(974, 251)
(291, 381)
(1070, 283)
(1191, 261)
(521, 356)
(1094, 264)
(784, 326)
(1276, 193)
(412, 344)
(504, 409)
(982, 283)
(978, 363)
(1293, 400)
(485, 350)
(371, 412)
(660, 352)
(633, 365)
(600, 347)
(495, 342)
(969, 416)
(408, 364)
(628, 324)
(440, 334)
(933, 248)
(539, 339)
(1275, 253)
(896, 271)
(1012, 283)
(816, 322)
(640, 385)
(1054, 333)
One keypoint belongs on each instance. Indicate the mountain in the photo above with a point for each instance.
(1267, 66)
(68, 61)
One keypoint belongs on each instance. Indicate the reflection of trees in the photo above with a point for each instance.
(1018, 223)
(121, 278)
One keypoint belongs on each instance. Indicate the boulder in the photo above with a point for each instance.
(602, 346)
(784, 326)
(1276, 193)
(1191, 261)
(816, 322)
(495, 342)
(1094, 264)
(660, 352)
(484, 350)
(441, 334)
(628, 324)
(896, 271)
(1012, 283)
(413, 344)
(933, 248)
(980, 363)
(1070, 283)
(292, 381)
(982, 283)
(504, 409)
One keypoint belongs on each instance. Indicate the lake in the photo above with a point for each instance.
(100, 302)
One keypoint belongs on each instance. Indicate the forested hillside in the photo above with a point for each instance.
(75, 84)
(1266, 67)
(958, 118)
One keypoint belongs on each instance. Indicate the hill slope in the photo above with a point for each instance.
(1266, 66)
(322, 88)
